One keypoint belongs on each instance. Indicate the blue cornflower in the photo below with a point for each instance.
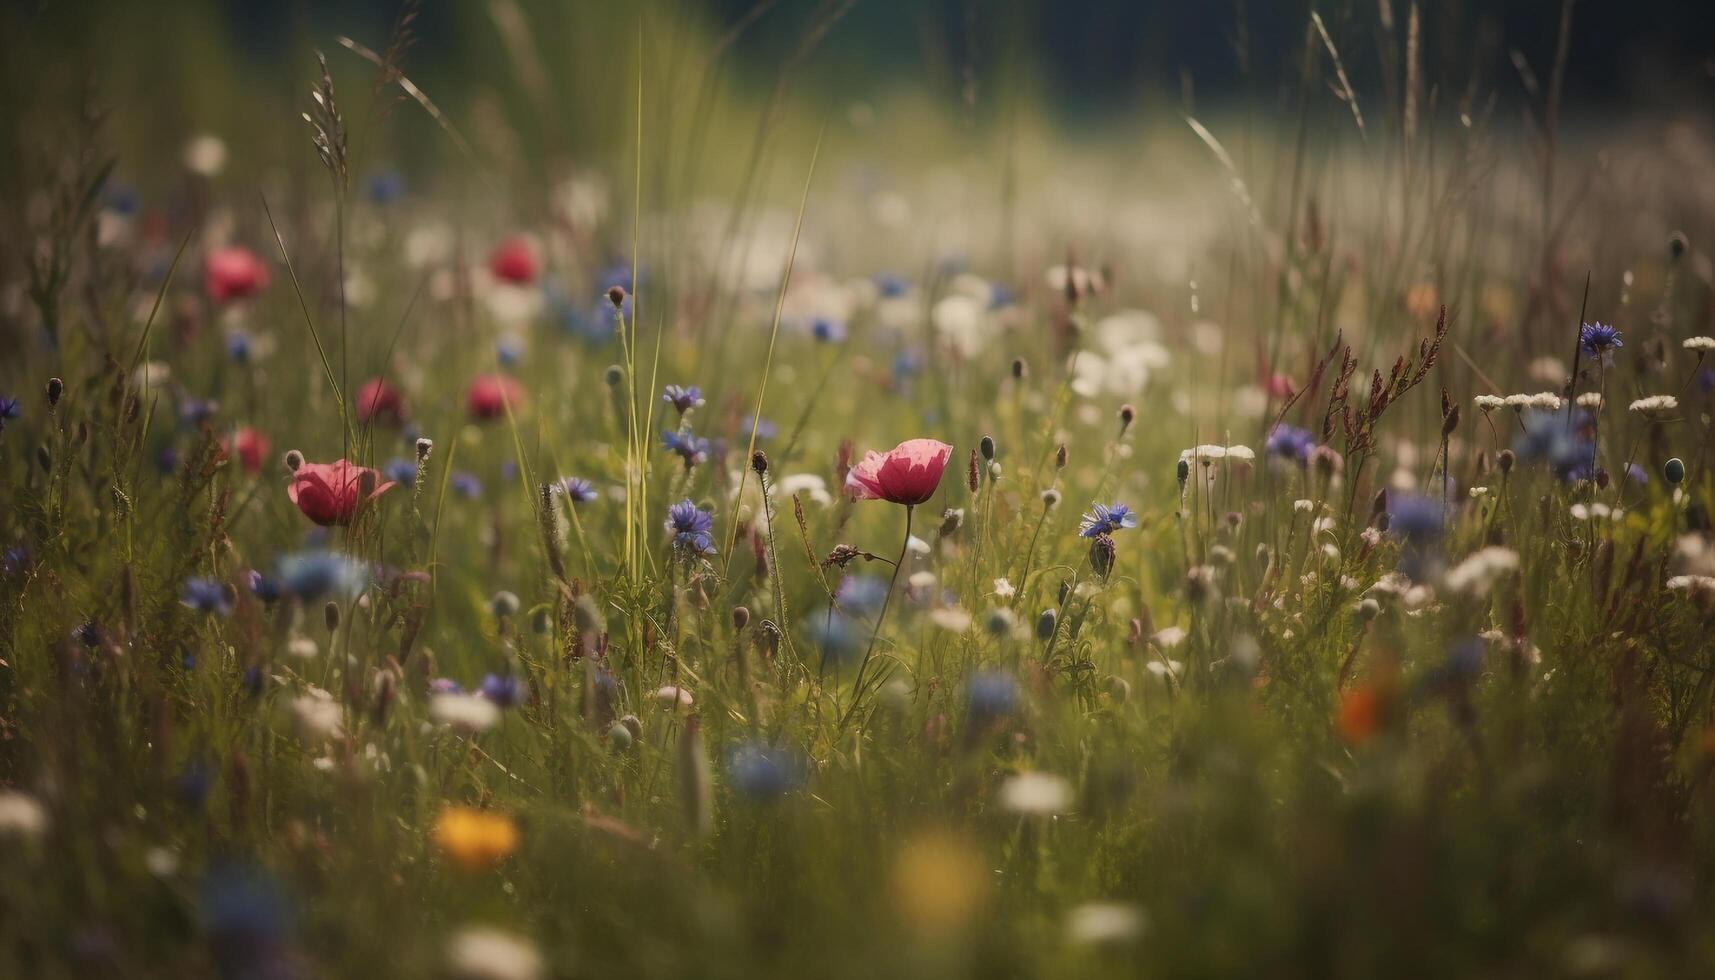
(8, 410)
(682, 398)
(313, 574)
(1561, 439)
(992, 693)
(762, 771)
(466, 485)
(509, 350)
(14, 560)
(445, 685)
(195, 410)
(578, 489)
(263, 587)
(860, 594)
(905, 364)
(206, 595)
(1106, 520)
(167, 460)
(248, 918)
(503, 690)
(386, 186)
(240, 346)
(595, 322)
(834, 635)
(1416, 518)
(690, 527)
(891, 284)
(691, 449)
(400, 470)
(828, 331)
(1599, 338)
(120, 197)
(765, 429)
(1290, 442)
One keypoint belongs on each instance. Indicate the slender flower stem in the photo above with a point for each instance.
(857, 683)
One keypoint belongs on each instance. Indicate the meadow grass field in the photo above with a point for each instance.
(628, 517)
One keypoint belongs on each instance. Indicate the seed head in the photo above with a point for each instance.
(616, 296)
(56, 388)
(759, 462)
(986, 447)
(425, 446)
(294, 459)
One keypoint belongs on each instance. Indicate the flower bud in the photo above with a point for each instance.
(740, 618)
(1047, 623)
(56, 388)
(1674, 470)
(294, 459)
(425, 446)
(986, 447)
(616, 296)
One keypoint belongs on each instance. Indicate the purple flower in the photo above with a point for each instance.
(762, 772)
(828, 331)
(503, 690)
(1106, 520)
(690, 528)
(1599, 338)
(1291, 443)
(466, 485)
(207, 596)
(692, 449)
(8, 410)
(578, 489)
(682, 398)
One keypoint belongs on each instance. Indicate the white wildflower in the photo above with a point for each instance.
(1699, 344)
(467, 713)
(486, 953)
(1477, 574)
(1036, 794)
(1105, 924)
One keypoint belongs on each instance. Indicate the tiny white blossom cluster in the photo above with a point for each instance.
(1653, 404)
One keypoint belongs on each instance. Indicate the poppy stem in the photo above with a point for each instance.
(857, 683)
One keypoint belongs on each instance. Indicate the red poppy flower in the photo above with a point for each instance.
(379, 401)
(490, 394)
(908, 474)
(514, 260)
(251, 446)
(233, 272)
(331, 493)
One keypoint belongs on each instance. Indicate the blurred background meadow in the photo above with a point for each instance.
(439, 537)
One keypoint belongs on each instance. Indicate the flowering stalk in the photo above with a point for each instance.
(857, 683)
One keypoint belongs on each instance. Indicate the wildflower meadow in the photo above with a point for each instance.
(507, 491)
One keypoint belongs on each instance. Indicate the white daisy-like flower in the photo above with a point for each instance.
(467, 713)
(1036, 794)
(1169, 637)
(1655, 404)
(22, 816)
(811, 485)
(486, 953)
(1105, 924)
(1477, 574)
(1004, 589)
(951, 618)
(316, 715)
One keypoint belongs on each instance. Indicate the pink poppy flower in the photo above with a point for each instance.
(378, 401)
(907, 474)
(251, 447)
(490, 394)
(514, 261)
(233, 272)
(331, 493)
